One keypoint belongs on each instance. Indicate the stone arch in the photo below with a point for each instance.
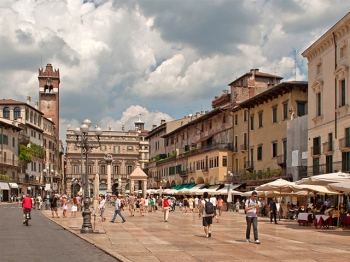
(173, 183)
(200, 180)
(178, 182)
(216, 181)
(212, 181)
(167, 184)
(192, 180)
(185, 181)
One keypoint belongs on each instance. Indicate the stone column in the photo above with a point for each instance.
(137, 187)
(109, 159)
(132, 186)
(144, 188)
(123, 187)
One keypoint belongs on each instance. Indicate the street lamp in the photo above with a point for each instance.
(50, 174)
(119, 186)
(82, 141)
(160, 187)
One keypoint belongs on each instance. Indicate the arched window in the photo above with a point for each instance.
(39, 120)
(27, 114)
(6, 112)
(13, 142)
(31, 117)
(16, 113)
(35, 119)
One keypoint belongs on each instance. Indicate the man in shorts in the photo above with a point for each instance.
(53, 205)
(207, 218)
(131, 203)
(251, 207)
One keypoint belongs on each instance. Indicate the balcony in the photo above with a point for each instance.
(212, 147)
(235, 149)
(328, 168)
(250, 166)
(8, 162)
(244, 148)
(328, 148)
(316, 150)
(344, 144)
(281, 160)
(184, 173)
(23, 139)
(31, 181)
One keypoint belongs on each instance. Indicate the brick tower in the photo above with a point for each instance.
(49, 82)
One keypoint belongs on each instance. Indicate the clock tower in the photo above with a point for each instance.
(49, 82)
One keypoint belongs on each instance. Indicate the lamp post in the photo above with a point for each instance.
(83, 142)
(50, 174)
(160, 187)
(119, 186)
(228, 179)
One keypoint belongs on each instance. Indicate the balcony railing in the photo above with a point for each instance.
(344, 144)
(235, 149)
(281, 160)
(28, 181)
(328, 148)
(23, 139)
(344, 166)
(9, 162)
(316, 150)
(184, 173)
(244, 147)
(212, 147)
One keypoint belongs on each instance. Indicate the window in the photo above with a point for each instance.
(342, 89)
(116, 149)
(13, 142)
(130, 169)
(27, 114)
(116, 170)
(260, 119)
(35, 118)
(244, 162)
(235, 146)
(274, 115)
(252, 122)
(16, 113)
(318, 104)
(301, 108)
(224, 161)
(245, 140)
(236, 166)
(91, 169)
(285, 110)
(130, 148)
(236, 119)
(259, 152)
(224, 118)
(103, 148)
(75, 169)
(316, 146)
(103, 169)
(329, 164)
(274, 149)
(330, 142)
(316, 166)
(245, 116)
(5, 157)
(345, 161)
(6, 113)
(31, 117)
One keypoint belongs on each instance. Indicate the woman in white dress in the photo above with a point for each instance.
(102, 208)
(73, 211)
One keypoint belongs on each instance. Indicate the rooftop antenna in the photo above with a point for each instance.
(295, 65)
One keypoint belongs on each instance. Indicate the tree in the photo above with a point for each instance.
(25, 154)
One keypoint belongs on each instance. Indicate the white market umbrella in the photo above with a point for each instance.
(249, 193)
(343, 187)
(325, 179)
(316, 189)
(279, 185)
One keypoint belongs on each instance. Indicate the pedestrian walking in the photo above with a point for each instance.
(53, 205)
(131, 203)
(166, 208)
(142, 206)
(74, 208)
(220, 205)
(273, 210)
(214, 201)
(237, 205)
(64, 207)
(39, 201)
(251, 207)
(207, 212)
(118, 209)
(102, 207)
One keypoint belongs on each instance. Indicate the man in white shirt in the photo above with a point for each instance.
(207, 218)
(118, 208)
(196, 204)
(251, 206)
(213, 200)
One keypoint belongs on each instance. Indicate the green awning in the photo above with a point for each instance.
(176, 187)
(182, 186)
(190, 186)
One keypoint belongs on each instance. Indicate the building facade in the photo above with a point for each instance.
(127, 149)
(328, 119)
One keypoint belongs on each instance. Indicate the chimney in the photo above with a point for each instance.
(36, 104)
(154, 126)
(162, 121)
(251, 92)
(28, 99)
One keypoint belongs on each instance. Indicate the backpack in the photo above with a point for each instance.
(209, 207)
(121, 204)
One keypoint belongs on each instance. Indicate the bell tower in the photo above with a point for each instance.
(49, 82)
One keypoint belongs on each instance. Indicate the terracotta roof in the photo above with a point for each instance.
(257, 73)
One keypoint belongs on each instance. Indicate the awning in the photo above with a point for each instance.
(4, 186)
(205, 138)
(13, 185)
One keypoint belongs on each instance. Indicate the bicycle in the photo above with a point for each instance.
(111, 203)
(27, 217)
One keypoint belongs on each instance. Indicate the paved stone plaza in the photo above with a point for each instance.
(182, 238)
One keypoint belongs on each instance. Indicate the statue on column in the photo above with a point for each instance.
(109, 159)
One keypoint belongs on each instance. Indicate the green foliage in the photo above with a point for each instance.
(37, 151)
(25, 154)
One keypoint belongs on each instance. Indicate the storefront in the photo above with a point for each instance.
(4, 192)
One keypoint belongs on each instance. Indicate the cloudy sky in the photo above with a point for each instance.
(163, 59)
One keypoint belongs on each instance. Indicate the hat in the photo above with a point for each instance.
(119, 195)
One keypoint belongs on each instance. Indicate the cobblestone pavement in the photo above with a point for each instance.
(182, 238)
